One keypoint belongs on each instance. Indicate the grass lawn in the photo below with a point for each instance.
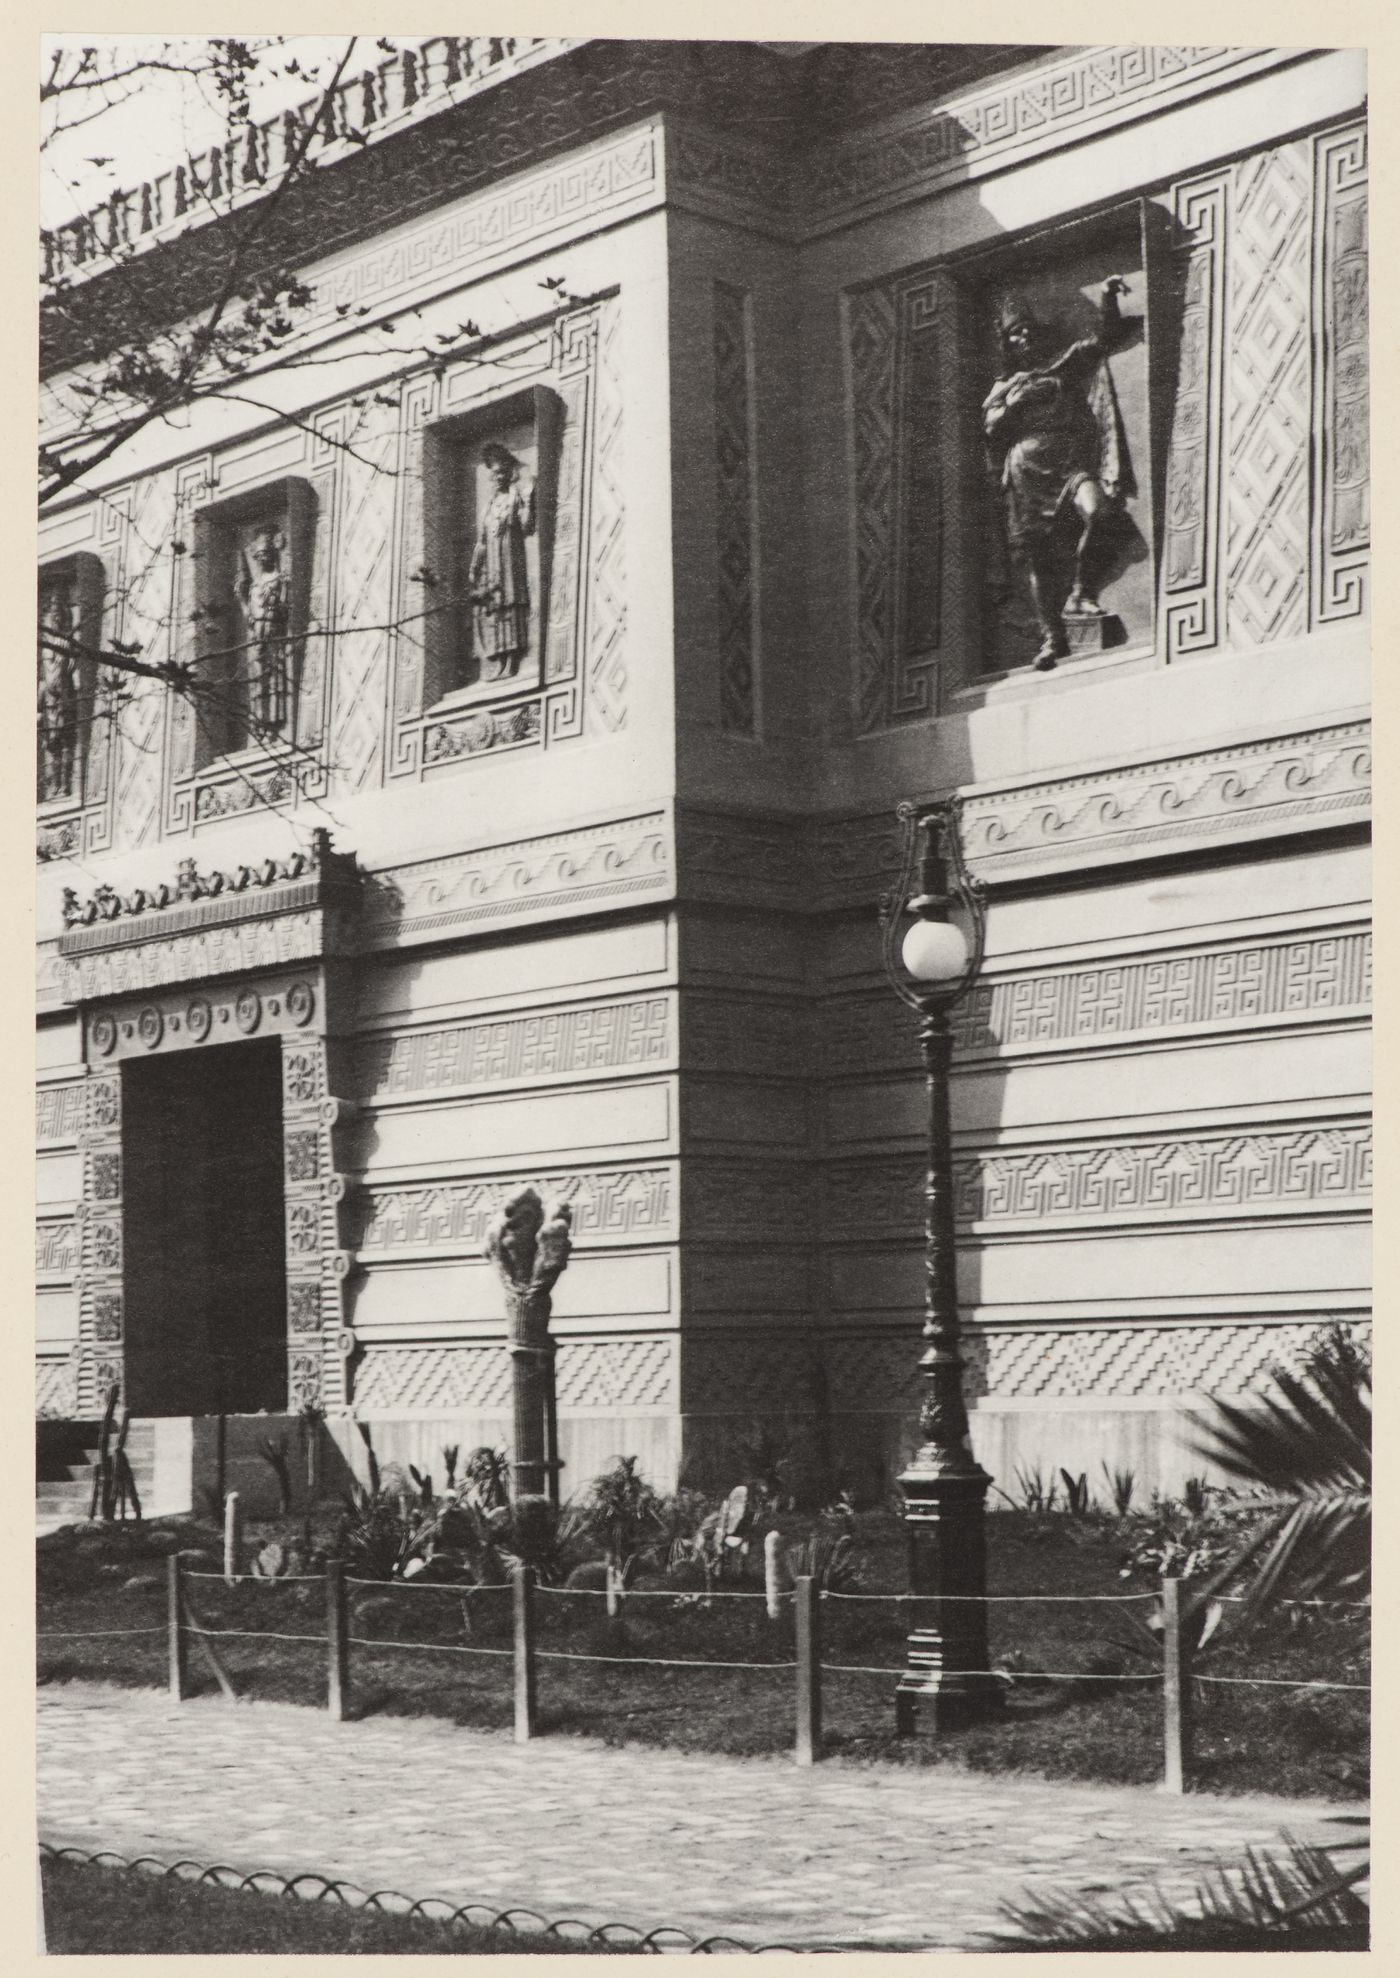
(90, 1909)
(1277, 1740)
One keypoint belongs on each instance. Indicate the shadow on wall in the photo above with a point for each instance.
(230, 1452)
(588, 1444)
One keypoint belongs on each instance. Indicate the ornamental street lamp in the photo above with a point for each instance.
(944, 1486)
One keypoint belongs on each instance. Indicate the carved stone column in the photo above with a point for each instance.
(529, 1245)
(531, 1351)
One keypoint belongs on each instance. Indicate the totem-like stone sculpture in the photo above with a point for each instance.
(264, 594)
(1055, 436)
(529, 1244)
(499, 581)
(58, 695)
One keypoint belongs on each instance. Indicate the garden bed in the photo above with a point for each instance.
(1270, 1739)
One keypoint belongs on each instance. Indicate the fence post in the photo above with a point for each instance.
(771, 1543)
(337, 1643)
(175, 1622)
(612, 1582)
(524, 1654)
(233, 1537)
(809, 1671)
(1176, 1688)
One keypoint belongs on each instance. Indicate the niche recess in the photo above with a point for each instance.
(229, 714)
(457, 487)
(71, 590)
(1061, 275)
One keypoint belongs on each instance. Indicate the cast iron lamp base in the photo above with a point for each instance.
(947, 1679)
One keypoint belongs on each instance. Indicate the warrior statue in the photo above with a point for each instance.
(498, 582)
(1055, 437)
(265, 596)
(58, 695)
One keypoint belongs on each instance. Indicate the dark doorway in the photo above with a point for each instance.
(206, 1279)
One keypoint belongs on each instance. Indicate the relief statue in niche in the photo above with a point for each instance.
(1056, 442)
(58, 694)
(499, 581)
(264, 596)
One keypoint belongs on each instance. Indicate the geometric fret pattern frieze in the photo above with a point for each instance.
(1274, 981)
(590, 1373)
(1088, 1362)
(56, 1247)
(616, 1373)
(1039, 109)
(500, 1050)
(1314, 1167)
(1080, 1362)
(630, 1204)
(1285, 977)
(58, 1113)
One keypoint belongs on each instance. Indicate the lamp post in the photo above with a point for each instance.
(944, 1486)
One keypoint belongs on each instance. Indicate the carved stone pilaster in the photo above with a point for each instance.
(101, 1320)
(319, 1341)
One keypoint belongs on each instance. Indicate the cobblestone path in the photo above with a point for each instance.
(843, 1854)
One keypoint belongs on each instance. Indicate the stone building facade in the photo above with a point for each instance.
(539, 827)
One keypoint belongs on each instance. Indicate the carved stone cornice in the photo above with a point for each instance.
(1250, 790)
(623, 861)
(572, 95)
(742, 857)
(795, 146)
(108, 919)
(209, 924)
(1269, 788)
(998, 124)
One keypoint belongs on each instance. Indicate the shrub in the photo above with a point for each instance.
(827, 1557)
(1036, 1494)
(620, 1512)
(486, 1478)
(376, 1541)
(1120, 1489)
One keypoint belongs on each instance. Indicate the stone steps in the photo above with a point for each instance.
(64, 1500)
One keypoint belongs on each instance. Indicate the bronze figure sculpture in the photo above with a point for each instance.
(499, 582)
(58, 695)
(265, 596)
(1055, 438)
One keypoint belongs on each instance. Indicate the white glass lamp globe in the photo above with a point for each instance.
(935, 951)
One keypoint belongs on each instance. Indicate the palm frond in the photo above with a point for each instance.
(1307, 1447)
(1266, 1900)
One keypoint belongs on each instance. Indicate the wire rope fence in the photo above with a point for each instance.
(808, 1648)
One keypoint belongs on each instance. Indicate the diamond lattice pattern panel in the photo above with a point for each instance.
(1270, 397)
